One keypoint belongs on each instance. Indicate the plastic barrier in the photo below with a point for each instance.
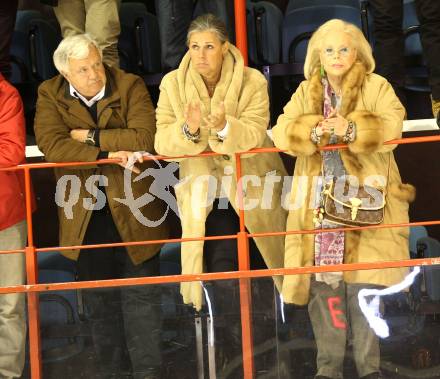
(32, 289)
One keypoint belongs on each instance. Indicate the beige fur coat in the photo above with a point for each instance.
(369, 101)
(244, 92)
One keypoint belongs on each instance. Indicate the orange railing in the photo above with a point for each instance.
(243, 274)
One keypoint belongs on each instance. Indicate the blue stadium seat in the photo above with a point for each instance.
(33, 42)
(264, 27)
(416, 233)
(139, 41)
(20, 49)
(44, 39)
(303, 17)
(367, 21)
(63, 329)
(63, 333)
(416, 70)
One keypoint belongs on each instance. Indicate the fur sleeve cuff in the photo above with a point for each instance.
(403, 191)
(298, 134)
(369, 132)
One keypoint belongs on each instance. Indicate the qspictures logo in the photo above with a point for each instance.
(258, 192)
(68, 191)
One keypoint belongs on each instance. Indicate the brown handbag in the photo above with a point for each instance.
(352, 212)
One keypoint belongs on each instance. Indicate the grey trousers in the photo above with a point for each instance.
(99, 18)
(12, 306)
(336, 317)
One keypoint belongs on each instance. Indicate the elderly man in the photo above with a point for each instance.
(88, 112)
(12, 231)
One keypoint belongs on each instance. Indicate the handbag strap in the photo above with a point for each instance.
(388, 172)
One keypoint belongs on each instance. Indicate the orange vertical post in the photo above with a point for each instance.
(240, 28)
(243, 241)
(245, 283)
(32, 278)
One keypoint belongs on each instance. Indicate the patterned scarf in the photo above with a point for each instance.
(329, 246)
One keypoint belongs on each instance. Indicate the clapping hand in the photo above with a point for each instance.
(216, 120)
(193, 116)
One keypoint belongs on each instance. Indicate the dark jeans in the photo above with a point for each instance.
(8, 11)
(389, 41)
(125, 322)
(220, 256)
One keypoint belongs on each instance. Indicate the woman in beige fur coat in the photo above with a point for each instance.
(212, 102)
(342, 101)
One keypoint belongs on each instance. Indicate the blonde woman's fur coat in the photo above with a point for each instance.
(369, 101)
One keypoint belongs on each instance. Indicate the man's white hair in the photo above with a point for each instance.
(76, 47)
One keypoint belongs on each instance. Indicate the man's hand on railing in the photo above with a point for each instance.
(127, 159)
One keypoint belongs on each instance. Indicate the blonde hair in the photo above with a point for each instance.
(364, 52)
(76, 47)
(208, 23)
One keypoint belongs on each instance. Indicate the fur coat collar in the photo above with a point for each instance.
(192, 88)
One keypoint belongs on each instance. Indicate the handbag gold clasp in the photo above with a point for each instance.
(355, 204)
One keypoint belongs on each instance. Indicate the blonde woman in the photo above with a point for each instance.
(342, 101)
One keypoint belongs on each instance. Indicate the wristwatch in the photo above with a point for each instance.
(90, 139)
